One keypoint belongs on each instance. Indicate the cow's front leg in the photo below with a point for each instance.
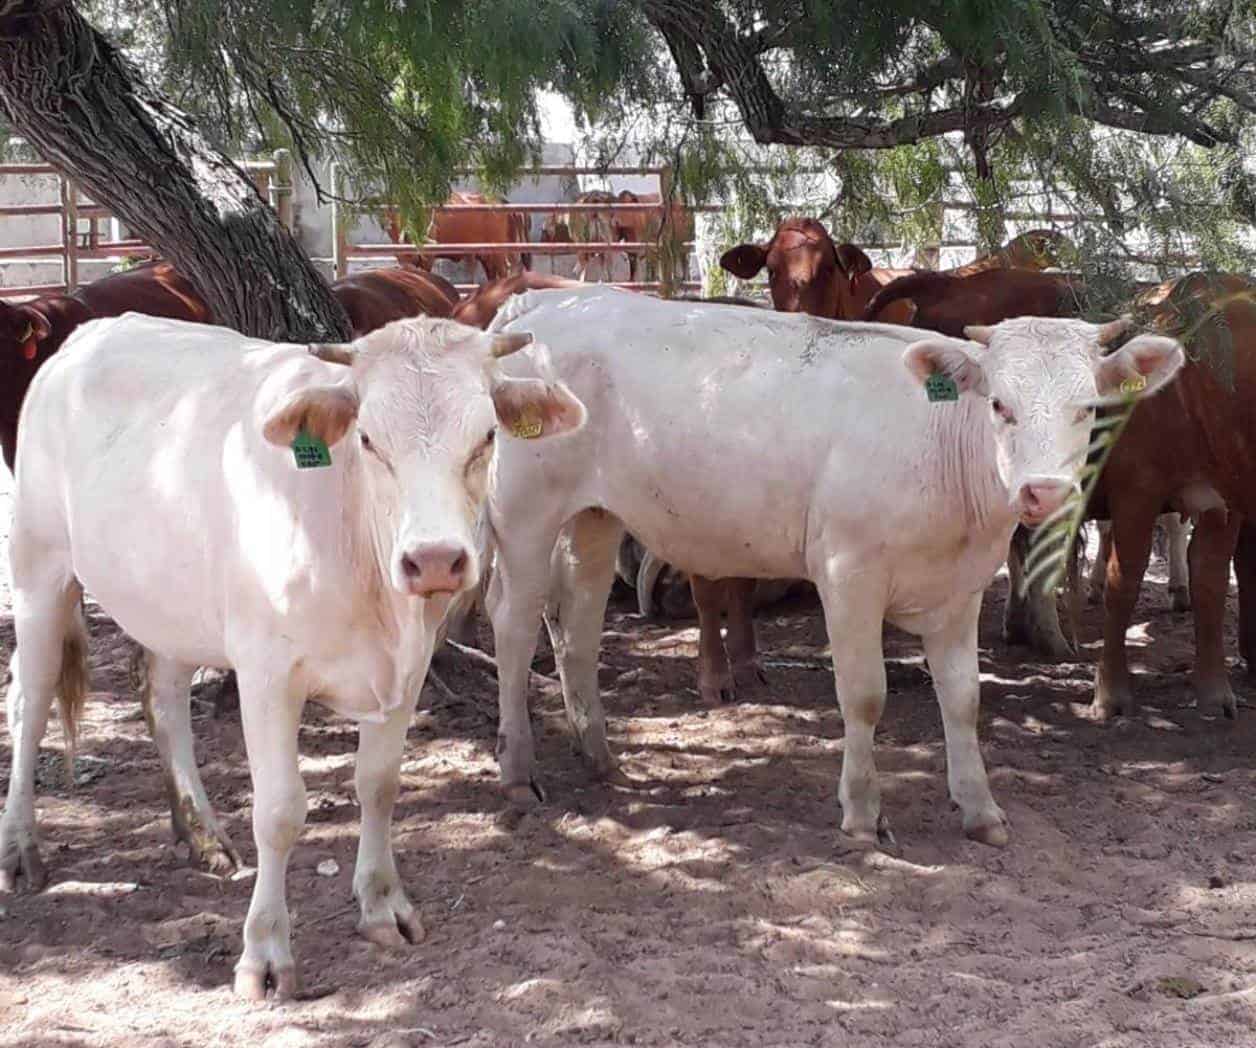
(1031, 618)
(388, 918)
(715, 677)
(853, 609)
(164, 689)
(272, 718)
(952, 656)
(1211, 549)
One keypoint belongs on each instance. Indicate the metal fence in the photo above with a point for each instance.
(91, 231)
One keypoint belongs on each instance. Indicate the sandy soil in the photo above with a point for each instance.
(711, 906)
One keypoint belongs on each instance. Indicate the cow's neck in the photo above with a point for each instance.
(963, 437)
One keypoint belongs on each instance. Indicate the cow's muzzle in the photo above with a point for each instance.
(432, 569)
(1039, 497)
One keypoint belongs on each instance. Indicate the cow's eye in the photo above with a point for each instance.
(366, 441)
(490, 436)
(1002, 410)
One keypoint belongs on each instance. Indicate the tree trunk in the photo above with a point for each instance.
(89, 113)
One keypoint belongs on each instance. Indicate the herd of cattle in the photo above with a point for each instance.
(321, 509)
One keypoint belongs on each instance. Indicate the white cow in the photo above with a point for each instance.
(777, 445)
(322, 582)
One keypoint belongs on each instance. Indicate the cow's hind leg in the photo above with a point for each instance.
(1132, 524)
(853, 606)
(164, 687)
(1175, 526)
(50, 659)
(388, 918)
(715, 677)
(1098, 575)
(952, 656)
(740, 642)
(1211, 549)
(1245, 572)
(582, 570)
(271, 718)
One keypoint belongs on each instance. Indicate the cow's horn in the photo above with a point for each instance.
(979, 333)
(1114, 329)
(332, 352)
(504, 345)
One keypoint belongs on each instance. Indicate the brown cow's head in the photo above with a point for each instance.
(22, 328)
(806, 272)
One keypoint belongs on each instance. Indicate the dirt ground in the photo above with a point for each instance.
(710, 906)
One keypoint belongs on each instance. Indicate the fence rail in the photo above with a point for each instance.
(272, 177)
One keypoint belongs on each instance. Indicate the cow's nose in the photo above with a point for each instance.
(1039, 497)
(429, 568)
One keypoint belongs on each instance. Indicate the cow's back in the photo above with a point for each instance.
(155, 289)
(707, 420)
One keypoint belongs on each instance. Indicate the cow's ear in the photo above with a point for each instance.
(744, 260)
(852, 261)
(932, 357)
(325, 412)
(34, 322)
(528, 408)
(1143, 365)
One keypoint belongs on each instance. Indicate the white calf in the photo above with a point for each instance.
(303, 514)
(774, 445)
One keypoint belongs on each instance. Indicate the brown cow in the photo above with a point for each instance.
(478, 227)
(30, 333)
(808, 273)
(948, 303)
(648, 227)
(1190, 449)
(377, 297)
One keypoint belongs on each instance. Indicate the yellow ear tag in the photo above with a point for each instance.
(1134, 385)
(528, 425)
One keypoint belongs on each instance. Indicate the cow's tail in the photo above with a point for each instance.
(1073, 587)
(904, 287)
(72, 686)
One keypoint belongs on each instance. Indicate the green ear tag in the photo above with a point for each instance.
(1134, 385)
(309, 451)
(941, 387)
(528, 425)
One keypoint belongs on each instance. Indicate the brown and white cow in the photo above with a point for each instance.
(376, 297)
(1190, 450)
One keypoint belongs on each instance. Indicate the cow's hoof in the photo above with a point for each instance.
(21, 861)
(881, 839)
(398, 934)
(1210, 698)
(714, 693)
(1180, 598)
(252, 983)
(1111, 700)
(991, 831)
(524, 796)
(214, 852)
